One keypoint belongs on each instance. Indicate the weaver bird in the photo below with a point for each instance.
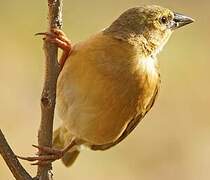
(110, 81)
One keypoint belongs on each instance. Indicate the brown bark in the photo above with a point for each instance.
(49, 90)
(47, 103)
(12, 162)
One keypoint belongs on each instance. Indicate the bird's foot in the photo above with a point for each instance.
(58, 37)
(47, 155)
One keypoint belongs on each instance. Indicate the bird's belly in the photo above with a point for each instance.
(98, 112)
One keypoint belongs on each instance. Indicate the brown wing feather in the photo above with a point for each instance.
(134, 122)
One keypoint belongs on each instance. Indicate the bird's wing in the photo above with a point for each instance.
(131, 126)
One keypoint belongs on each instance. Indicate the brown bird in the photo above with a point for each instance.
(110, 81)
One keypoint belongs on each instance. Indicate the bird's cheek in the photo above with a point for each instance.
(163, 28)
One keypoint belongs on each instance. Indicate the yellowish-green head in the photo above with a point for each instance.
(150, 24)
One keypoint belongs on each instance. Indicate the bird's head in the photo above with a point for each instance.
(151, 25)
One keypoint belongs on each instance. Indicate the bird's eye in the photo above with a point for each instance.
(163, 19)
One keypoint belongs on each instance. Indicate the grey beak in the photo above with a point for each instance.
(180, 20)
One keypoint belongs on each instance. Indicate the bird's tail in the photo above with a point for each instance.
(61, 138)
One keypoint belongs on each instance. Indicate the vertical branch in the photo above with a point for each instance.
(49, 90)
(48, 98)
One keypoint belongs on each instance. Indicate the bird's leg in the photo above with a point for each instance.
(58, 37)
(47, 155)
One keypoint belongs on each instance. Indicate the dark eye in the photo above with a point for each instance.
(164, 19)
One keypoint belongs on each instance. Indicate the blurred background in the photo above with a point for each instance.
(173, 140)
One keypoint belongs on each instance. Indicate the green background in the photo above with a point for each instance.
(173, 140)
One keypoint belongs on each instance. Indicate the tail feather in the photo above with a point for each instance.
(70, 157)
(61, 138)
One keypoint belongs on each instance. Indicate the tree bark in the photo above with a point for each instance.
(12, 162)
(48, 96)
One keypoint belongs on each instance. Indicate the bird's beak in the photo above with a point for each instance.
(180, 20)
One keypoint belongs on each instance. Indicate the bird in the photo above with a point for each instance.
(108, 82)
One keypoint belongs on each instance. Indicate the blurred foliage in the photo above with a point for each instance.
(172, 142)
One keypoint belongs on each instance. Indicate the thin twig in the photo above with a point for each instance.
(12, 162)
(49, 90)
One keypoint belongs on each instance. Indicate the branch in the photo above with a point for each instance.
(12, 162)
(47, 103)
(49, 90)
